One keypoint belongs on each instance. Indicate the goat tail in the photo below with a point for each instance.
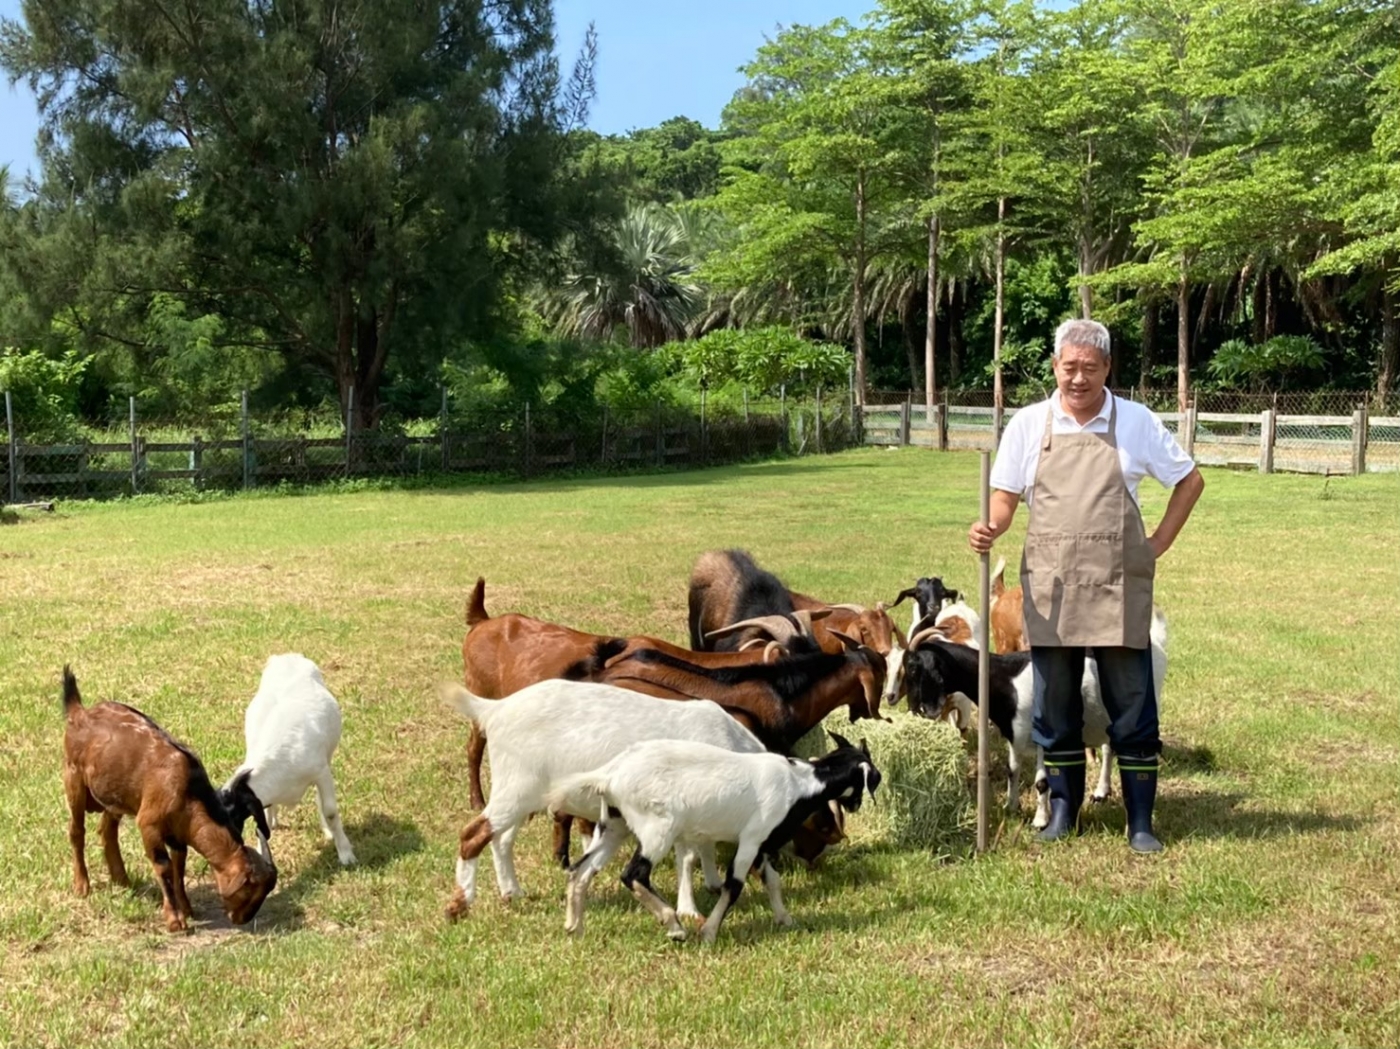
(476, 605)
(1158, 630)
(72, 700)
(998, 578)
(583, 794)
(475, 709)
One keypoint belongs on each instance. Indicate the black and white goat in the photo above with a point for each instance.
(938, 673)
(674, 792)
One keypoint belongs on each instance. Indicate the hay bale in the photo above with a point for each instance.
(923, 800)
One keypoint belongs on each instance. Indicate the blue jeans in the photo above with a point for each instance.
(1129, 696)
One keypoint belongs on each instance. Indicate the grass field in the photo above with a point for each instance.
(1272, 919)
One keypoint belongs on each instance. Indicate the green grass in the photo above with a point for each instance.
(1272, 919)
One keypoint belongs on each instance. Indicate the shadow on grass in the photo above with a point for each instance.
(1187, 759)
(1218, 815)
(378, 841)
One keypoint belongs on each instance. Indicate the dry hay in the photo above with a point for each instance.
(923, 799)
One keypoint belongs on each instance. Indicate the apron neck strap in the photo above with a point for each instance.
(1112, 421)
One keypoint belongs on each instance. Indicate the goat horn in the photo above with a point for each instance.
(754, 642)
(846, 640)
(924, 635)
(779, 628)
(773, 651)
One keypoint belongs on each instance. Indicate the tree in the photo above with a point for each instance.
(343, 182)
(815, 162)
(923, 42)
(649, 287)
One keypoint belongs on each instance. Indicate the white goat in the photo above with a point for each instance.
(677, 791)
(554, 729)
(292, 728)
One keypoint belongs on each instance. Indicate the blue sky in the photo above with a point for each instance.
(656, 59)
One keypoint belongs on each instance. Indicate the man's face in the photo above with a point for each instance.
(1080, 372)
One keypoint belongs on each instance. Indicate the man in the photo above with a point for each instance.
(1088, 566)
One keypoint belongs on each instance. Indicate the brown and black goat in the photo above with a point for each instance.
(119, 762)
(779, 701)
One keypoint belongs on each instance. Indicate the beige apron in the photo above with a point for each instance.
(1086, 571)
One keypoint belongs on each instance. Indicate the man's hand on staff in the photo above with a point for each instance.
(1003, 508)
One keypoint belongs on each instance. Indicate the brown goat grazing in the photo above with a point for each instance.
(1007, 619)
(119, 762)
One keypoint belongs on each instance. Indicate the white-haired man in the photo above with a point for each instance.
(1088, 567)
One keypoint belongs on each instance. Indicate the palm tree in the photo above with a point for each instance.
(650, 290)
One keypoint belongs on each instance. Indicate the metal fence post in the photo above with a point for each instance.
(1360, 424)
(904, 421)
(782, 411)
(135, 452)
(603, 460)
(349, 431)
(704, 433)
(10, 459)
(943, 423)
(442, 431)
(660, 437)
(1267, 425)
(247, 446)
(1187, 431)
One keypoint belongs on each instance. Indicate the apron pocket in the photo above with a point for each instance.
(1091, 559)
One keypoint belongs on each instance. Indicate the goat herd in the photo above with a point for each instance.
(588, 727)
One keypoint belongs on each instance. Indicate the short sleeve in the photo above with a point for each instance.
(1009, 466)
(1166, 460)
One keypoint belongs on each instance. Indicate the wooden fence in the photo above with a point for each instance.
(1267, 441)
(514, 446)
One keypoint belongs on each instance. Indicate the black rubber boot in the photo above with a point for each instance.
(1138, 775)
(1065, 772)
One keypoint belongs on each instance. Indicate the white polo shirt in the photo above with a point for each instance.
(1145, 446)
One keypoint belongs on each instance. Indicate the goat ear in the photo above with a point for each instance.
(864, 747)
(249, 803)
(841, 741)
(845, 639)
(902, 595)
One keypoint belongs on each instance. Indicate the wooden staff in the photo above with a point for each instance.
(984, 660)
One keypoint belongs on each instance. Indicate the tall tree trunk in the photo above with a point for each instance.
(1147, 354)
(957, 306)
(1183, 339)
(997, 397)
(931, 329)
(1270, 307)
(858, 305)
(1086, 294)
(1390, 344)
(1257, 322)
(906, 327)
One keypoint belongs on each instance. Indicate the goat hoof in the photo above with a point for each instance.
(176, 925)
(676, 934)
(81, 888)
(785, 922)
(457, 907)
(1098, 799)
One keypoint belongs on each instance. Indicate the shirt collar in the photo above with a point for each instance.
(1103, 412)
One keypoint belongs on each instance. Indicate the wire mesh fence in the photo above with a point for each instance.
(1325, 431)
(245, 450)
